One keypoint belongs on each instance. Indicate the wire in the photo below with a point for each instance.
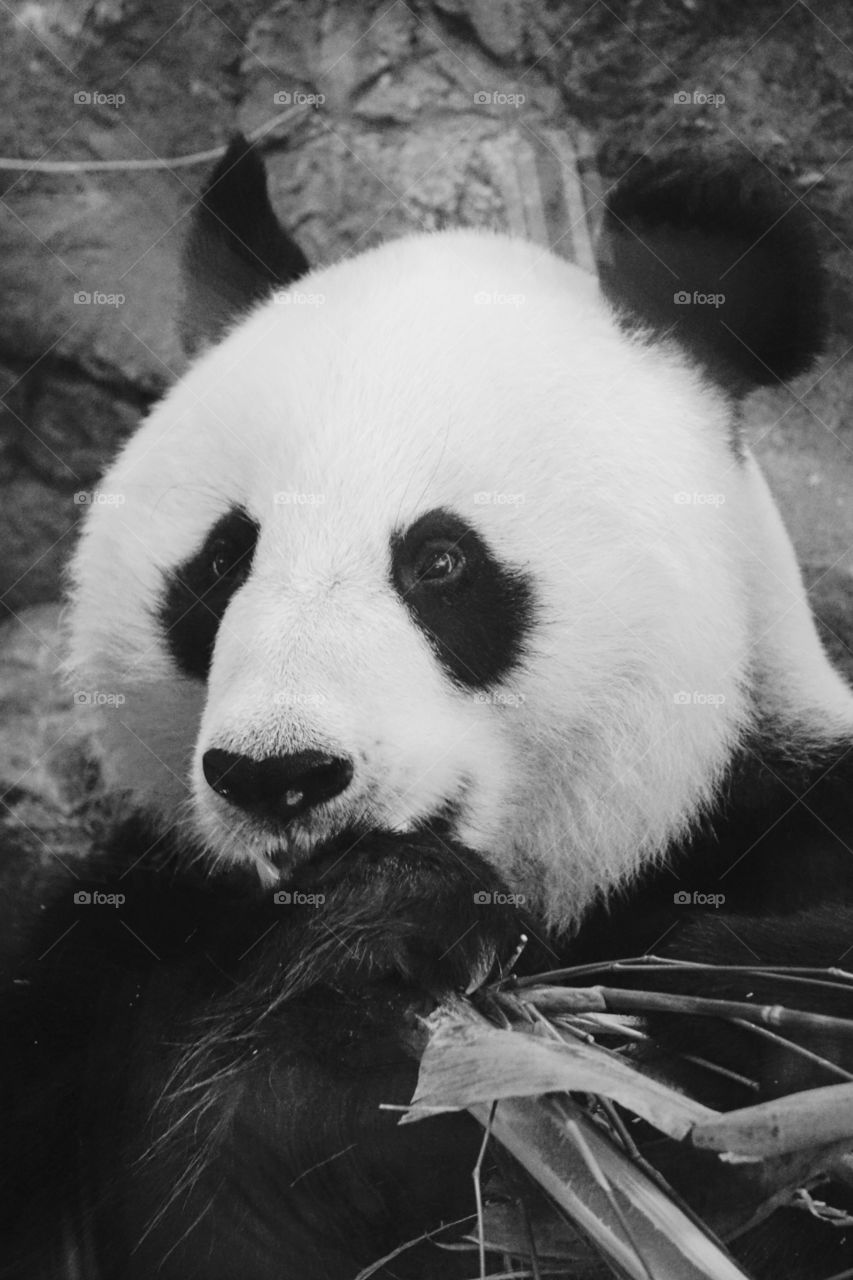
(157, 162)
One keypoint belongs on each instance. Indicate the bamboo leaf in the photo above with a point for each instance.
(467, 1061)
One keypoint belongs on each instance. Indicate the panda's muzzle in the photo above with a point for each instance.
(276, 788)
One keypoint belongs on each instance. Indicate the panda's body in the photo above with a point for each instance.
(193, 1087)
(448, 571)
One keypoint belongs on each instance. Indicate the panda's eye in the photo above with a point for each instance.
(474, 610)
(439, 562)
(225, 558)
(197, 593)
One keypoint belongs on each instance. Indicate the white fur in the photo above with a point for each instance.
(399, 393)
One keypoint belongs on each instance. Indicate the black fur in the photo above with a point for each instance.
(236, 252)
(190, 1081)
(199, 591)
(724, 230)
(778, 841)
(478, 618)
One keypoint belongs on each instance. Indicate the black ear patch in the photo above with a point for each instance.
(475, 611)
(236, 251)
(724, 261)
(200, 590)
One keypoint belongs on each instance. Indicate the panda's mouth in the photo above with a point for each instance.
(280, 850)
(301, 847)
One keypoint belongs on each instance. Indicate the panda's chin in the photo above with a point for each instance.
(304, 851)
(275, 853)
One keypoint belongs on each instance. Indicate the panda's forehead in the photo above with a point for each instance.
(459, 371)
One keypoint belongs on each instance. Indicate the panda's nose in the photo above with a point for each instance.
(277, 787)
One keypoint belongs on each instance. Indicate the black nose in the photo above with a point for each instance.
(277, 787)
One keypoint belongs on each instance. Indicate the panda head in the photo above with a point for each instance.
(449, 534)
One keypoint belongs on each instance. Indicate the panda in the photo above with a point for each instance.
(442, 581)
(388, 554)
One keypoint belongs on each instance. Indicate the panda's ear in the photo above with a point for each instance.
(236, 250)
(721, 261)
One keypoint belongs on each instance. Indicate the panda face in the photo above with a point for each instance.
(447, 536)
(432, 546)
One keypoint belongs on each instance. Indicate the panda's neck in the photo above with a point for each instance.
(778, 840)
(780, 836)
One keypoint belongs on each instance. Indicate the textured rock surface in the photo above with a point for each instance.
(49, 759)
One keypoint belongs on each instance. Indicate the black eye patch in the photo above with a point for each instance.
(198, 592)
(474, 611)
